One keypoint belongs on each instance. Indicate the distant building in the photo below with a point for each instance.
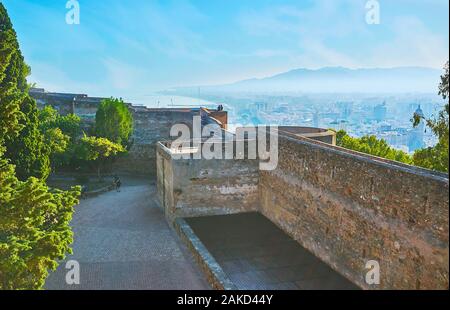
(345, 108)
(415, 140)
(262, 106)
(316, 119)
(379, 112)
(385, 127)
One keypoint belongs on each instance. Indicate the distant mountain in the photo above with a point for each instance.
(342, 80)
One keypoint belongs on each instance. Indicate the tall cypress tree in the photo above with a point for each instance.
(34, 219)
(10, 96)
(27, 151)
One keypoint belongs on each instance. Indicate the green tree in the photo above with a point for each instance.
(61, 134)
(28, 151)
(18, 111)
(114, 121)
(436, 158)
(51, 122)
(34, 220)
(371, 145)
(34, 229)
(56, 141)
(98, 150)
(69, 125)
(12, 79)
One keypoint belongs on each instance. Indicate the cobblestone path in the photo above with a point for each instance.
(122, 241)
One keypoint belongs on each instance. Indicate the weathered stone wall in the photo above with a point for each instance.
(348, 208)
(345, 207)
(196, 187)
(67, 103)
(318, 134)
(86, 108)
(151, 126)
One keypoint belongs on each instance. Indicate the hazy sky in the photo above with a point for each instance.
(129, 47)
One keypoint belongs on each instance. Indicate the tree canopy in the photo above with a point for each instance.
(371, 145)
(98, 150)
(34, 219)
(12, 79)
(436, 157)
(28, 150)
(34, 229)
(114, 121)
(18, 111)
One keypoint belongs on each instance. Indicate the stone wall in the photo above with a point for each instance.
(150, 126)
(195, 187)
(348, 208)
(68, 103)
(345, 207)
(318, 134)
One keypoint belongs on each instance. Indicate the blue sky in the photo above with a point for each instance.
(133, 47)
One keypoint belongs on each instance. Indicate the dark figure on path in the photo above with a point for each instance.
(117, 183)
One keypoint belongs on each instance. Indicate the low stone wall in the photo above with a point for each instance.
(215, 276)
(195, 187)
(318, 134)
(348, 208)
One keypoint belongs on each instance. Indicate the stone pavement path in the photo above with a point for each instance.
(122, 241)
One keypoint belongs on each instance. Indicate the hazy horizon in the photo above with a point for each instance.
(134, 48)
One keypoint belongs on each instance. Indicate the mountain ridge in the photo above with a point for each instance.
(408, 79)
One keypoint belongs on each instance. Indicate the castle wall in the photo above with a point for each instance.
(150, 126)
(196, 187)
(348, 208)
(345, 207)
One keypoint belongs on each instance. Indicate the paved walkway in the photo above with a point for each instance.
(122, 241)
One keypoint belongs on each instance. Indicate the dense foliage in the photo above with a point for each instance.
(34, 219)
(371, 145)
(34, 229)
(114, 121)
(18, 110)
(98, 150)
(28, 150)
(436, 157)
(61, 135)
(11, 79)
(71, 148)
